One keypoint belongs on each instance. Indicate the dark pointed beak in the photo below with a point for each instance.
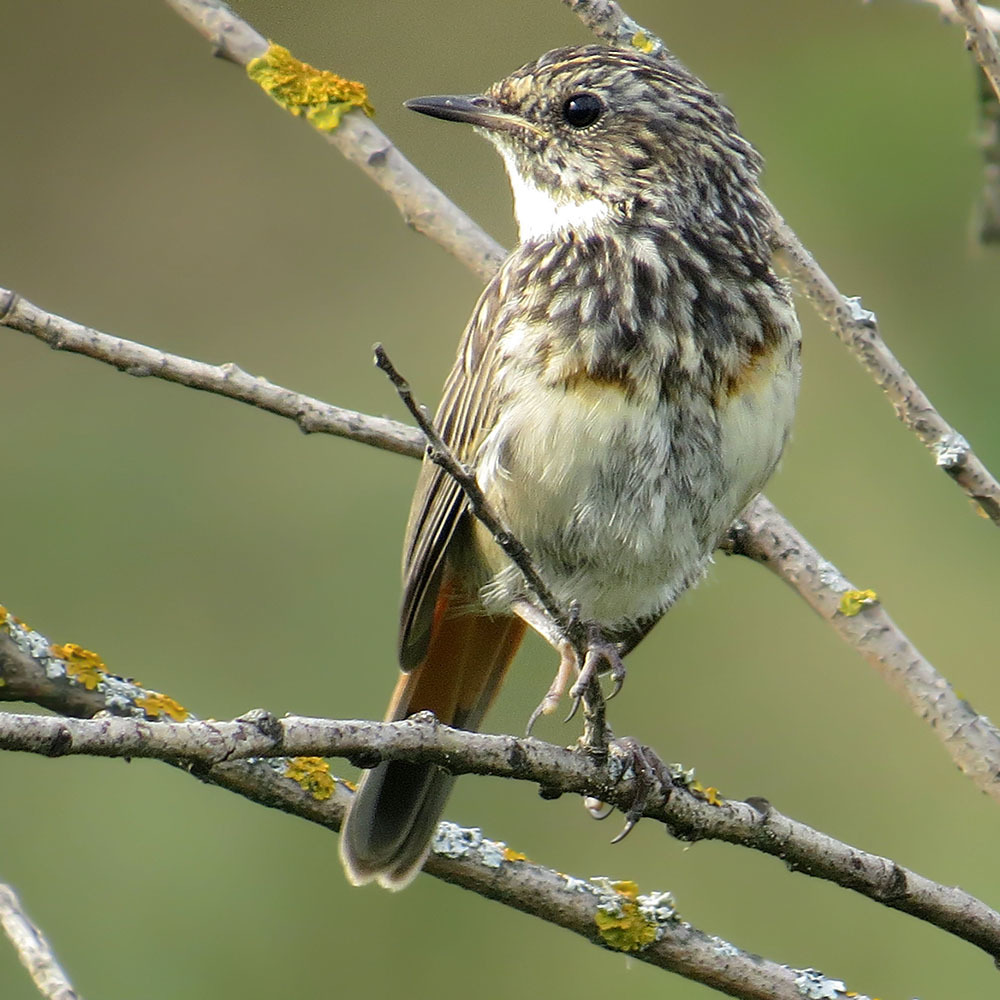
(475, 109)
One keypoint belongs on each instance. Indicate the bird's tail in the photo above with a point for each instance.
(388, 832)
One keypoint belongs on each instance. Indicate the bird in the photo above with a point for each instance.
(624, 388)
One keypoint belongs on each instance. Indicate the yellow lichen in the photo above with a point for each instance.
(852, 601)
(621, 925)
(316, 94)
(82, 665)
(642, 42)
(709, 793)
(511, 855)
(312, 774)
(155, 704)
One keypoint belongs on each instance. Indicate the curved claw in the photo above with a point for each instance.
(533, 718)
(619, 680)
(576, 705)
(629, 826)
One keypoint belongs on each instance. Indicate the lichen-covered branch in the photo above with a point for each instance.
(686, 814)
(764, 535)
(422, 205)
(611, 914)
(33, 949)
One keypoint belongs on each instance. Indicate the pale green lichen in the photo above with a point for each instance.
(318, 95)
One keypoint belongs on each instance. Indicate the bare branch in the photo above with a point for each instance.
(311, 415)
(857, 329)
(754, 824)
(33, 949)
(981, 40)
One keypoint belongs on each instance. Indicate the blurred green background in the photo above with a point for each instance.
(217, 554)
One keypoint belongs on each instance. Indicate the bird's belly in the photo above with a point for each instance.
(621, 501)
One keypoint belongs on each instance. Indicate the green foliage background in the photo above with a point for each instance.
(215, 553)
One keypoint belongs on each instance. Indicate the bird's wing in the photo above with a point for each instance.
(466, 414)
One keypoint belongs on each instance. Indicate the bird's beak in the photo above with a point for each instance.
(475, 109)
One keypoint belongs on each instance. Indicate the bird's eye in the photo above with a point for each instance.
(582, 110)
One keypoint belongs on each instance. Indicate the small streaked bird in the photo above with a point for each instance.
(625, 386)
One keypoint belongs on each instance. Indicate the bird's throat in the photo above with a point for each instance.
(543, 212)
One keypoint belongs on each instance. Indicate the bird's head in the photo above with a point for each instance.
(595, 133)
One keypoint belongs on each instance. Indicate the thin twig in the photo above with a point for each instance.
(33, 949)
(686, 815)
(855, 327)
(981, 40)
(566, 627)
(439, 453)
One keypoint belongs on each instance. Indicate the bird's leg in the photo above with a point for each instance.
(569, 663)
(577, 644)
(600, 655)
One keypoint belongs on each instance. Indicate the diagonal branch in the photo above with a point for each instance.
(33, 949)
(762, 533)
(423, 206)
(854, 326)
(972, 741)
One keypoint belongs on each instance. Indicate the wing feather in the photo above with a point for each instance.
(466, 414)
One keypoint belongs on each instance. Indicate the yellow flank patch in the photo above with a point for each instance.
(311, 774)
(318, 95)
(82, 665)
(622, 926)
(852, 601)
(155, 705)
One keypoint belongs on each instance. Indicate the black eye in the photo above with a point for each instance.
(582, 110)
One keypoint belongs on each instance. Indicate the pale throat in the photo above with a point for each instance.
(542, 214)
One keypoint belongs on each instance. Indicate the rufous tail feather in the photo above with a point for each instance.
(388, 832)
